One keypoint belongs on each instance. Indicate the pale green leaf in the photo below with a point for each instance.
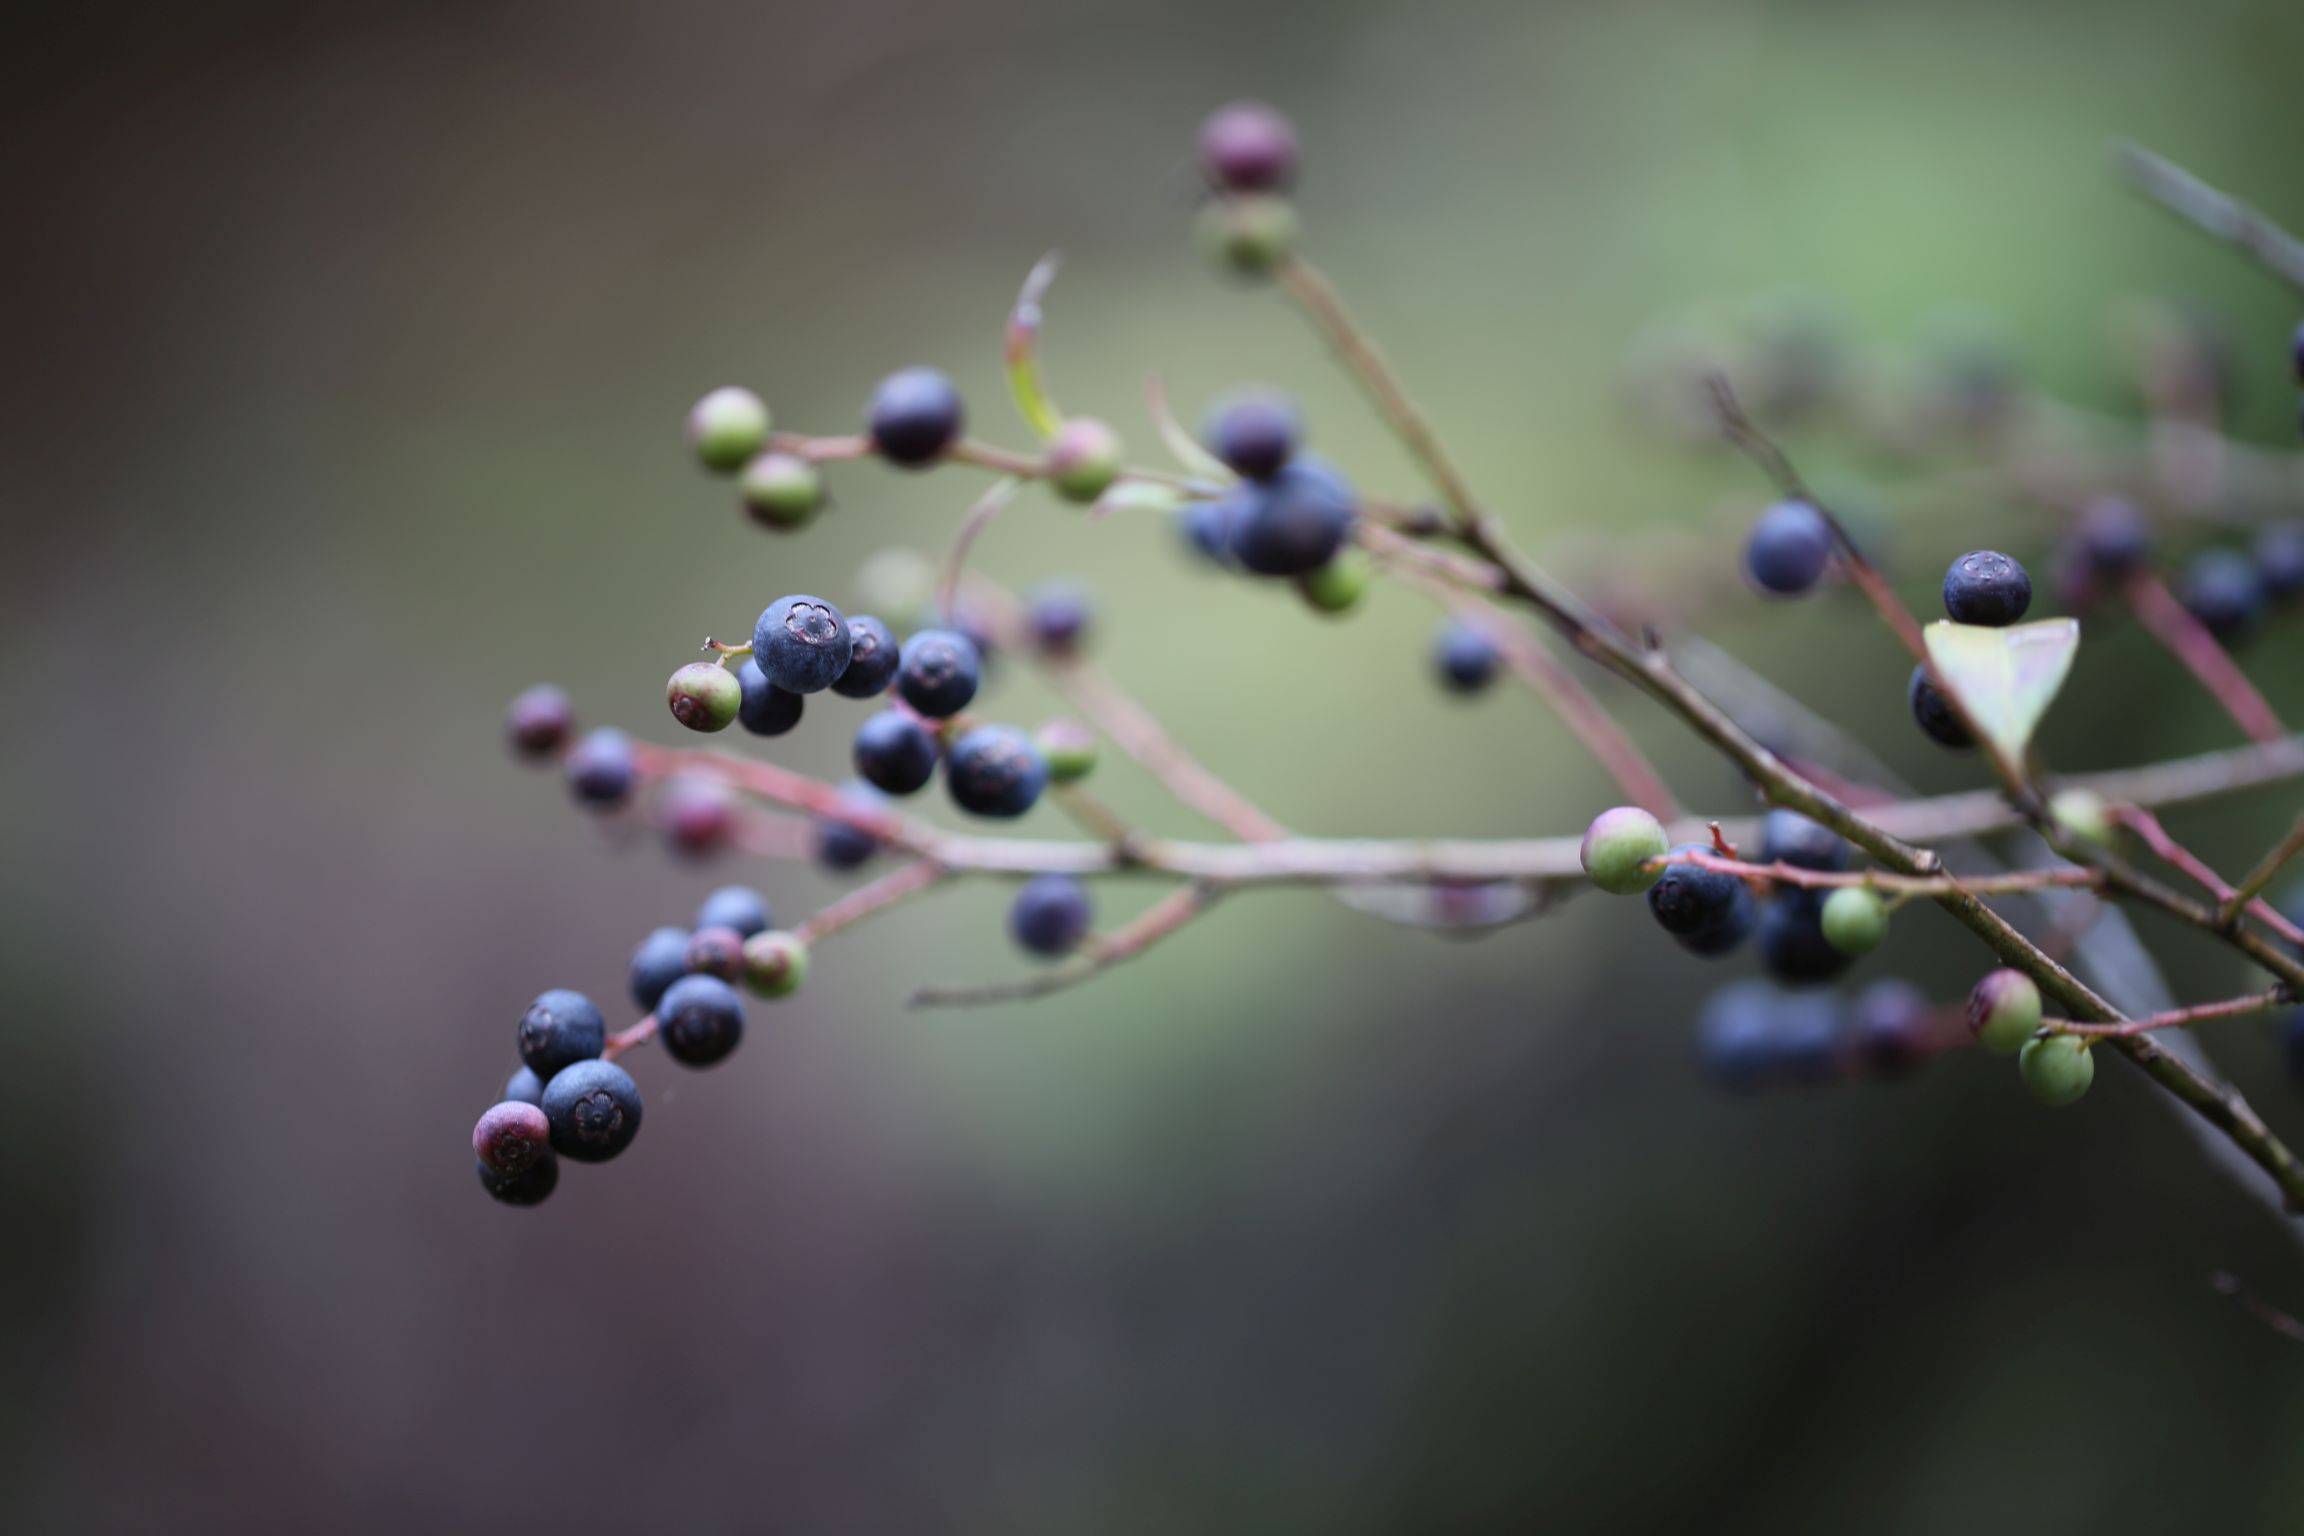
(2006, 678)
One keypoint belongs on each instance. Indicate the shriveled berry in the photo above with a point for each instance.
(735, 906)
(1465, 658)
(1248, 147)
(2004, 1010)
(916, 415)
(1787, 837)
(697, 816)
(1934, 714)
(704, 696)
(511, 1136)
(766, 710)
(1855, 921)
(1789, 546)
(1068, 747)
(1792, 941)
(532, 1185)
(2280, 559)
(1249, 234)
(775, 963)
(940, 672)
(781, 490)
(2224, 590)
(2057, 1068)
(1338, 586)
(601, 768)
(1295, 522)
(842, 845)
(701, 1019)
(994, 770)
(559, 1028)
(1891, 1028)
(1084, 458)
(1050, 915)
(895, 752)
(2115, 536)
(1707, 910)
(593, 1108)
(539, 721)
(660, 960)
(1618, 848)
(1984, 586)
(1057, 618)
(524, 1087)
(1254, 431)
(726, 428)
(714, 952)
(802, 643)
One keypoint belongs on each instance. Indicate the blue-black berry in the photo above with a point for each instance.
(561, 1027)
(701, 1019)
(661, 960)
(2280, 559)
(1050, 916)
(1710, 912)
(994, 770)
(841, 845)
(1464, 657)
(532, 1185)
(802, 643)
(916, 415)
(940, 672)
(1295, 522)
(873, 657)
(539, 721)
(1255, 432)
(1792, 941)
(895, 752)
(1787, 837)
(1934, 715)
(593, 1108)
(524, 1087)
(1736, 1036)
(1892, 1027)
(735, 906)
(1985, 587)
(767, 710)
(2115, 536)
(1207, 526)
(1789, 547)
(1057, 620)
(601, 768)
(2225, 591)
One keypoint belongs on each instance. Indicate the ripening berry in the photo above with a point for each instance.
(2115, 537)
(511, 1137)
(775, 963)
(2057, 1068)
(601, 768)
(842, 845)
(735, 906)
(726, 428)
(781, 490)
(1465, 658)
(701, 1019)
(714, 952)
(873, 657)
(1338, 586)
(1084, 458)
(802, 643)
(1787, 837)
(766, 710)
(1618, 848)
(1789, 547)
(1985, 587)
(559, 1028)
(2225, 592)
(593, 1108)
(1254, 431)
(1069, 749)
(895, 752)
(994, 770)
(538, 723)
(532, 1185)
(660, 960)
(1792, 941)
(1248, 235)
(916, 415)
(1248, 147)
(1050, 916)
(1855, 920)
(524, 1087)
(1057, 619)
(696, 815)
(1892, 1026)
(704, 696)
(2003, 1011)
(1294, 523)
(1708, 911)
(2280, 559)
(1934, 715)
(940, 672)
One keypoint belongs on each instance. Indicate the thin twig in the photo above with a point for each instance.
(2227, 1284)
(2261, 876)
(2214, 213)
(1149, 927)
(2188, 640)
(1779, 873)
(2176, 1018)
(871, 899)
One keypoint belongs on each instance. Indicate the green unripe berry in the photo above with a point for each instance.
(2057, 1068)
(1083, 459)
(1855, 920)
(775, 963)
(1069, 749)
(2003, 1011)
(704, 696)
(1338, 586)
(2084, 814)
(727, 427)
(1618, 846)
(782, 490)
(1248, 235)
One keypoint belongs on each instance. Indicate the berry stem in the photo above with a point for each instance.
(871, 899)
(2188, 640)
(2214, 213)
(1779, 873)
(987, 507)
(1096, 956)
(2244, 894)
(2177, 1018)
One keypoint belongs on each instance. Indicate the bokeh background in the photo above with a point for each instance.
(347, 354)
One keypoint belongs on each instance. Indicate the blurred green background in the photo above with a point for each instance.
(348, 350)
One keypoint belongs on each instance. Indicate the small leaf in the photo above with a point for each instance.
(1024, 377)
(2006, 678)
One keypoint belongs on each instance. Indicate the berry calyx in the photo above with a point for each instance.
(538, 723)
(915, 416)
(704, 696)
(601, 769)
(559, 1029)
(593, 1109)
(1338, 586)
(1294, 523)
(511, 1137)
(2057, 1068)
(1069, 749)
(1050, 916)
(766, 710)
(1934, 715)
(1254, 431)
(775, 963)
(895, 752)
(2003, 1011)
(940, 672)
(660, 960)
(802, 643)
(1084, 458)
(1986, 587)
(726, 428)
(1855, 920)
(994, 770)
(713, 952)
(1619, 849)
(1788, 549)
(781, 490)
(1248, 147)
(734, 906)
(1465, 658)
(873, 657)
(1250, 234)
(701, 1019)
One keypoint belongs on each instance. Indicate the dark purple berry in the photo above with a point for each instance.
(1708, 911)
(539, 721)
(873, 657)
(1892, 1027)
(767, 710)
(1465, 658)
(1789, 547)
(2115, 536)
(1808, 1031)
(2280, 557)
(1735, 1037)
(524, 1087)
(559, 1028)
(511, 1136)
(940, 672)
(1254, 432)
(532, 1185)
(1248, 147)
(2292, 1043)
(1295, 522)
(916, 415)
(714, 952)
(802, 643)
(842, 845)
(2224, 590)
(593, 1108)
(1986, 587)
(895, 752)
(1787, 837)
(1051, 915)
(1935, 715)
(1057, 620)
(1792, 942)
(661, 960)
(601, 768)
(700, 1019)
(735, 906)
(994, 770)
(1207, 526)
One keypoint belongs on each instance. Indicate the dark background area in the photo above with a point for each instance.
(347, 351)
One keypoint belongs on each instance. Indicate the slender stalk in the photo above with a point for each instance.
(2176, 1018)
(1098, 955)
(2253, 884)
(2214, 213)
(871, 899)
(2188, 640)
(1779, 873)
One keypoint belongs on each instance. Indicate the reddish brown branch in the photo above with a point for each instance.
(2177, 1018)
(2187, 639)
(868, 900)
